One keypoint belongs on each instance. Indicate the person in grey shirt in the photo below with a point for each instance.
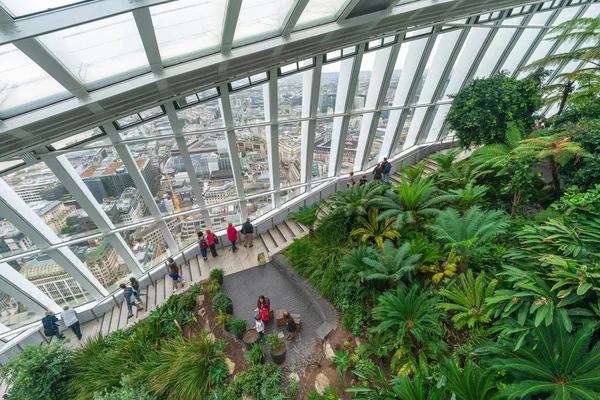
(69, 317)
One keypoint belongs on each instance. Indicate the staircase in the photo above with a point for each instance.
(280, 237)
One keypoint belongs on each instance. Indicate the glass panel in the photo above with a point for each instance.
(148, 244)
(240, 83)
(20, 8)
(156, 127)
(374, 44)
(172, 189)
(290, 96)
(259, 206)
(377, 142)
(101, 52)
(306, 63)
(201, 117)
(185, 230)
(320, 12)
(351, 143)
(288, 195)
(364, 77)
(330, 76)
(187, 28)
(389, 40)
(222, 215)
(129, 120)
(404, 132)
(290, 160)
(404, 71)
(323, 132)
(566, 14)
(493, 53)
(418, 32)
(13, 241)
(261, 19)
(103, 262)
(10, 164)
(348, 51)
(252, 147)
(263, 76)
(247, 106)
(52, 280)
(14, 314)
(391, 90)
(111, 185)
(147, 114)
(24, 85)
(333, 55)
(437, 122)
(80, 137)
(286, 69)
(520, 49)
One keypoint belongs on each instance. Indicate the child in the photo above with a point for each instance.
(291, 325)
(363, 180)
(260, 328)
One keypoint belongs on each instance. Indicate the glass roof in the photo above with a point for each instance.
(20, 8)
(320, 11)
(261, 18)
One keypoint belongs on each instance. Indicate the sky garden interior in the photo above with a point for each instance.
(126, 127)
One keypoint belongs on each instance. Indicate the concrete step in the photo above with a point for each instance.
(277, 237)
(285, 230)
(294, 227)
(268, 242)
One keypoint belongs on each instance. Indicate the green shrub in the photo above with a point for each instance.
(217, 274)
(256, 355)
(238, 327)
(221, 303)
(126, 392)
(275, 342)
(213, 287)
(39, 372)
(293, 387)
(223, 319)
(261, 382)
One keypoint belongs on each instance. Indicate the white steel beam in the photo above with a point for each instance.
(78, 14)
(232, 13)
(348, 9)
(311, 85)
(236, 165)
(143, 21)
(272, 134)
(294, 17)
(19, 288)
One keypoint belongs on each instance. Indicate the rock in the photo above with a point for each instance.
(230, 366)
(211, 337)
(246, 397)
(358, 342)
(321, 383)
(202, 312)
(329, 353)
(295, 376)
(200, 300)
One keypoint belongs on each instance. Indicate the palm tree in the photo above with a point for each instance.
(461, 174)
(555, 149)
(306, 216)
(497, 155)
(376, 229)
(470, 195)
(470, 233)
(413, 173)
(445, 161)
(471, 383)
(392, 264)
(355, 269)
(409, 201)
(468, 300)
(554, 364)
(410, 321)
(353, 202)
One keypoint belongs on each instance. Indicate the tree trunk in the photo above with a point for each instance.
(553, 167)
(565, 96)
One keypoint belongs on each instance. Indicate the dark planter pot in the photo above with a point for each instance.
(229, 310)
(239, 336)
(279, 358)
(220, 280)
(250, 337)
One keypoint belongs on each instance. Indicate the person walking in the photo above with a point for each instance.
(173, 269)
(50, 325)
(232, 235)
(248, 232)
(127, 293)
(212, 242)
(386, 168)
(69, 317)
(377, 173)
(203, 245)
(351, 181)
(135, 285)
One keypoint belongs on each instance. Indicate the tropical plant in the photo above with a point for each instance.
(375, 229)
(342, 361)
(217, 274)
(391, 265)
(445, 160)
(355, 270)
(552, 364)
(223, 319)
(221, 303)
(238, 327)
(39, 372)
(276, 344)
(496, 155)
(470, 195)
(306, 216)
(481, 110)
(260, 382)
(409, 320)
(213, 286)
(256, 355)
(399, 387)
(468, 300)
(586, 173)
(412, 173)
(353, 202)
(470, 383)
(556, 150)
(461, 174)
(469, 234)
(293, 387)
(127, 391)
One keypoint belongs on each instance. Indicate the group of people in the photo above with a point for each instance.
(69, 319)
(262, 315)
(210, 240)
(381, 174)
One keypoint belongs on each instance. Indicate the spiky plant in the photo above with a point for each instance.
(469, 383)
(375, 229)
(497, 155)
(468, 300)
(470, 195)
(392, 264)
(354, 202)
(355, 269)
(306, 216)
(445, 160)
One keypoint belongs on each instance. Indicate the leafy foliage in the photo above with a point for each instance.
(306, 216)
(371, 228)
(221, 303)
(256, 355)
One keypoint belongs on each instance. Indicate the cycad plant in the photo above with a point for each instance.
(553, 364)
(306, 216)
(391, 265)
(470, 382)
(445, 160)
(470, 233)
(355, 269)
(470, 195)
(375, 229)
(468, 299)
(353, 202)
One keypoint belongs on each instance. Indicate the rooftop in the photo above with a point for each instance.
(108, 169)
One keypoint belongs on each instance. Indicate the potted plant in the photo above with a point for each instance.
(276, 347)
(223, 319)
(222, 303)
(217, 274)
(238, 327)
(250, 337)
(256, 355)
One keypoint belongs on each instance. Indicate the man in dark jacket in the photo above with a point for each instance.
(386, 168)
(50, 325)
(248, 232)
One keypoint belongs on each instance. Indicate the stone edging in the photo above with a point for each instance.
(327, 312)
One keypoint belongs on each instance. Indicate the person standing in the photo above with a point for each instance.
(212, 242)
(127, 293)
(232, 235)
(248, 232)
(291, 325)
(69, 317)
(173, 269)
(259, 325)
(351, 181)
(135, 285)
(386, 168)
(377, 175)
(363, 180)
(203, 245)
(50, 325)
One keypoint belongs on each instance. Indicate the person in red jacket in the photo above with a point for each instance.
(211, 242)
(232, 235)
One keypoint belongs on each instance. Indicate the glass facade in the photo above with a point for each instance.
(128, 183)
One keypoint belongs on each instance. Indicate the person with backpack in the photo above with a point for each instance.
(212, 242)
(127, 293)
(135, 285)
(248, 232)
(50, 323)
(386, 168)
(377, 173)
(203, 245)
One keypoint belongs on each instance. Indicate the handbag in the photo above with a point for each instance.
(49, 332)
(216, 239)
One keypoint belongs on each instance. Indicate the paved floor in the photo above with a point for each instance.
(244, 288)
